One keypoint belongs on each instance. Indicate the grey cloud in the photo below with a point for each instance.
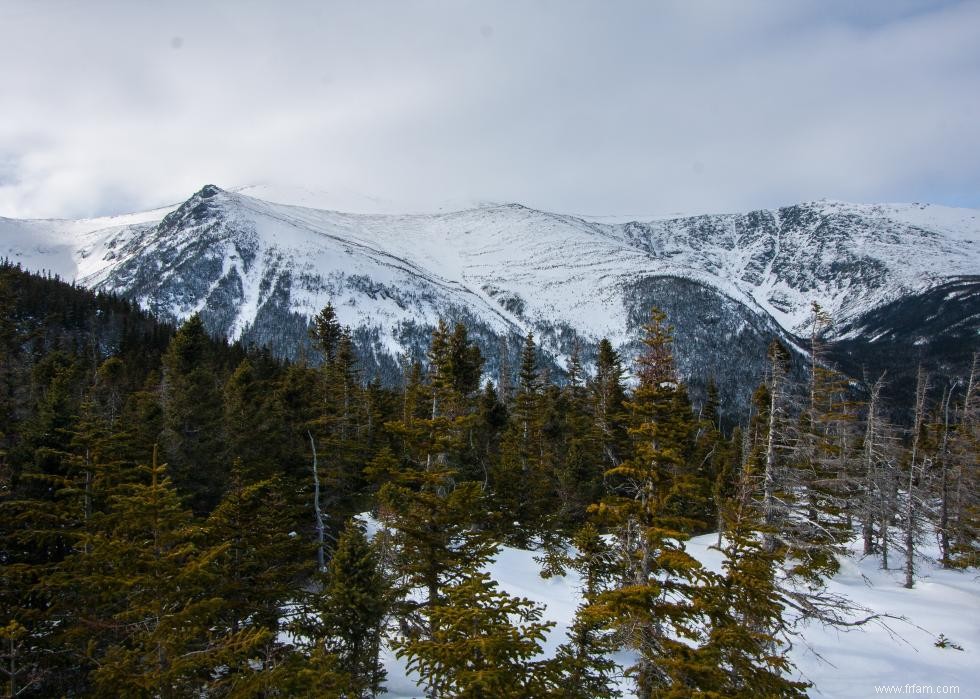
(628, 107)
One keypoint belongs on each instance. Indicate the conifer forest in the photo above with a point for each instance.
(185, 517)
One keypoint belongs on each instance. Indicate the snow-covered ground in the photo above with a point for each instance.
(901, 653)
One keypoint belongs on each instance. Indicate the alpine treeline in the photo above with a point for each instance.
(183, 517)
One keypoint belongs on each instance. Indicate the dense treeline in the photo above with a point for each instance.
(178, 516)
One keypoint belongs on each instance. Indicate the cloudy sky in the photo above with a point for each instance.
(583, 107)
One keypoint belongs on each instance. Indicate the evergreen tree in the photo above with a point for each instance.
(962, 496)
(325, 332)
(825, 461)
(575, 442)
(608, 397)
(771, 444)
(433, 516)
(41, 516)
(877, 504)
(346, 617)
(482, 644)
(256, 574)
(254, 426)
(337, 431)
(520, 483)
(743, 654)
(491, 420)
(192, 417)
(655, 609)
(587, 670)
(10, 381)
(151, 595)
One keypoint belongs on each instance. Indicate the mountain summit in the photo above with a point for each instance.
(258, 270)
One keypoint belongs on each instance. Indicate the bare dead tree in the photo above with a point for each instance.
(317, 512)
(916, 471)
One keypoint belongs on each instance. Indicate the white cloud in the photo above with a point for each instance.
(576, 106)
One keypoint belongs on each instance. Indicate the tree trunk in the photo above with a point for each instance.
(911, 511)
(318, 513)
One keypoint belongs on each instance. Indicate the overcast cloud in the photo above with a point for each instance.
(583, 107)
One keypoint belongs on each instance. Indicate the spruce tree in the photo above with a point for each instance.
(520, 482)
(608, 397)
(655, 608)
(345, 618)
(744, 654)
(41, 517)
(431, 514)
(151, 597)
(192, 405)
(584, 660)
(325, 332)
(482, 644)
(337, 431)
(825, 480)
(254, 426)
(579, 463)
(257, 572)
(962, 526)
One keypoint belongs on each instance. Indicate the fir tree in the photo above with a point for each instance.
(743, 654)
(574, 448)
(655, 608)
(337, 432)
(325, 332)
(608, 398)
(257, 572)
(150, 589)
(962, 524)
(482, 644)
(520, 483)
(824, 458)
(346, 617)
(192, 416)
(432, 515)
(584, 660)
(254, 426)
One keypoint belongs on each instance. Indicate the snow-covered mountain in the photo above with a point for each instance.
(257, 270)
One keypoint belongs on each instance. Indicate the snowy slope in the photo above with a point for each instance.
(257, 270)
(344, 199)
(848, 257)
(70, 249)
(839, 664)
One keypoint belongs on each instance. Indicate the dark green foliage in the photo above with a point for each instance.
(151, 588)
(743, 654)
(325, 331)
(522, 482)
(584, 660)
(656, 607)
(432, 515)
(192, 403)
(115, 581)
(346, 618)
(608, 396)
(258, 569)
(481, 644)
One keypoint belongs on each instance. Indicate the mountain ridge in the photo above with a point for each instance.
(257, 270)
